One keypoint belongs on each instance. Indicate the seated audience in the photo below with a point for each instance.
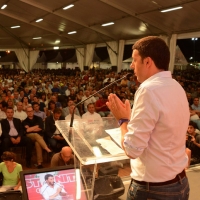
(51, 108)
(71, 110)
(3, 106)
(19, 113)
(93, 128)
(38, 112)
(11, 172)
(101, 106)
(91, 116)
(58, 104)
(16, 97)
(42, 106)
(54, 137)
(193, 142)
(195, 106)
(34, 126)
(65, 111)
(65, 157)
(25, 103)
(13, 135)
(10, 103)
(90, 100)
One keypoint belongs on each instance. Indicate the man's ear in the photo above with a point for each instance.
(148, 61)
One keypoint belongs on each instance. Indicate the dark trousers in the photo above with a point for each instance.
(56, 145)
(25, 141)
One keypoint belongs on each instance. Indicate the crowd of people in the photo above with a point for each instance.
(30, 103)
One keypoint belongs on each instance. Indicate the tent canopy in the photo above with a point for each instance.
(132, 20)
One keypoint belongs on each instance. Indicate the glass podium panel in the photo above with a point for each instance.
(90, 142)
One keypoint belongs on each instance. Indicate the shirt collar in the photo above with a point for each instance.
(164, 74)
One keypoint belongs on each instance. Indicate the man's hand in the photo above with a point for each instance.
(59, 190)
(119, 109)
(58, 137)
(18, 140)
(13, 140)
(193, 139)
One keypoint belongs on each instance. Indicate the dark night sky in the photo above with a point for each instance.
(190, 48)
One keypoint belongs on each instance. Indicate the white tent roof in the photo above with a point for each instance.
(133, 20)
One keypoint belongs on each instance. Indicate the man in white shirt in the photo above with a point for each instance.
(19, 113)
(51, 189)
(153, 134)
(90, 100)
(93, 128)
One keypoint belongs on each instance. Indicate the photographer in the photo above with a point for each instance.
(193, 142)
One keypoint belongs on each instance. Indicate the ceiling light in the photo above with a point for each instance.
(171, 9)
(194, 38)
(37, 38)
(15, 27)
(55, 47)
(4, 6)
(39, 20)
(69, 6)
(191, 58)
(108, 24)
(57, 41)
(72, 32)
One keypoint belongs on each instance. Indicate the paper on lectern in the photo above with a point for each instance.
(115, 134)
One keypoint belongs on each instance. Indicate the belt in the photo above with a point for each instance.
(176, 179)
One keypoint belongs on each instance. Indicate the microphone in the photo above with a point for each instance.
(58, 184)
(72, 117)
(45, 189)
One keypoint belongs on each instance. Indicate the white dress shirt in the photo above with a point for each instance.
(2, 115)
(46, 191)
(20, 115)
(13, 131)
(93, 119)
(157, 128)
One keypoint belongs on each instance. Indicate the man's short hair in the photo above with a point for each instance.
(47, 176)
(155, 48)
(35, 103)
(57, 110)
(4, 104)
(9, 108)
(90, 104)
(29, 107)
(193, 124)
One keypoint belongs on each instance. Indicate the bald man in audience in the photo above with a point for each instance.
(65, 157)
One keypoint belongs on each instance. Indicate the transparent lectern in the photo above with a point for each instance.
(91, 145)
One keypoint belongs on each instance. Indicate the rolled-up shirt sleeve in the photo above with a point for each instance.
(144, 116)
